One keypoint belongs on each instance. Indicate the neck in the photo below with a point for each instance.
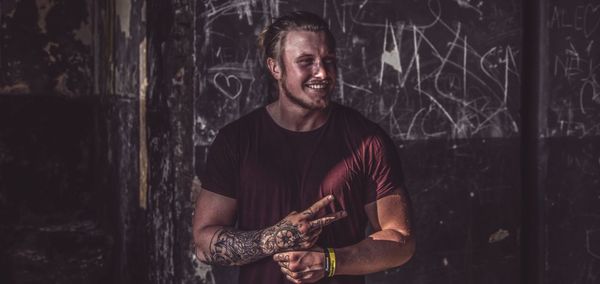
(296, 118)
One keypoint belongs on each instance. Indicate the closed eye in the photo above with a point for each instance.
(306, 61)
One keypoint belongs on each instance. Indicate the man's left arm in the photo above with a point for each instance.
(390, 245)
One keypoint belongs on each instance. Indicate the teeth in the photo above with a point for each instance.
(317, 86)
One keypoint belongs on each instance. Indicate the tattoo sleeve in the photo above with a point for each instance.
(234, 247)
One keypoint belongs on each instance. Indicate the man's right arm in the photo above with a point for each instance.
(217, 242)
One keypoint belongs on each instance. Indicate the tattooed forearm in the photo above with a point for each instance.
(297, 231)
(232, 247)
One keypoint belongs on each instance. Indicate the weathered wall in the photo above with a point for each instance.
(51, 228)
(46, 47)
(170, 124)
(107, 107)
(49, 209)
(121, 134)
(569, 130)
(72, 97)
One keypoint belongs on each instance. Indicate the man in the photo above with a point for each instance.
(302, 176)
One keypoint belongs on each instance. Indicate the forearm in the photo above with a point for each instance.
(381, 250)
(230, 247)
(215, 243)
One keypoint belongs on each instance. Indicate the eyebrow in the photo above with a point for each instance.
(330, 55)
(305, 55)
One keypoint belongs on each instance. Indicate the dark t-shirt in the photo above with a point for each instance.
(272, 171)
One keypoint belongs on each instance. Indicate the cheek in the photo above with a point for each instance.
(299, 78)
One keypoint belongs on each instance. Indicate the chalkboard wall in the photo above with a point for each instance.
(422, 69)
(570, 158)
(574, 62)
(441, 77)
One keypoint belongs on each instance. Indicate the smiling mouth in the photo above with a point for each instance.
(318, 85)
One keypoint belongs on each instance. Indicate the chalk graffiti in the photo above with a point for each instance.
(229, 85)
(454, 81)
(589, 234)
(584, 18)
(422, 75)
(575, 66)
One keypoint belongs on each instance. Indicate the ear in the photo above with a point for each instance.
(274, 68)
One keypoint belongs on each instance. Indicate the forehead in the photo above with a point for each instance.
(306, 42)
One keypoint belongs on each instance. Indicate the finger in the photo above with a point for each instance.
(306, 275)
(313, 239)
(313, 230)
(313, 209)
(284, 264)
(291, 274)
(282, 260)
(281, 257)
(317, 231)
(292, 279)
(324, 221)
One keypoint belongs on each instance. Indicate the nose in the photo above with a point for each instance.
(320, 70)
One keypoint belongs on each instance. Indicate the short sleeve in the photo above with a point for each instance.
(383, 167)
(221, 171)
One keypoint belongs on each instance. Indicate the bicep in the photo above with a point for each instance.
(390, 212)
(213, 209)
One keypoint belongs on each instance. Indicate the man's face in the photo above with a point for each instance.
(309, 70)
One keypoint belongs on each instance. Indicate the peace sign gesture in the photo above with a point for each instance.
(299, 230)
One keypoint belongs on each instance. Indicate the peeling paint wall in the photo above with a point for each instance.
(73, 63)
(170, 125)
(128, 36)
(45, 47)
(121, 57)
(54, 224)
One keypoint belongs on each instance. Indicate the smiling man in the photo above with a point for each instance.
(302, 177)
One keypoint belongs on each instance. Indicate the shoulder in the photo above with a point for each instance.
(362, 132)
(356, 122)
(241, 126)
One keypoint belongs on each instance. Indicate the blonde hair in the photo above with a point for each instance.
(271, 38)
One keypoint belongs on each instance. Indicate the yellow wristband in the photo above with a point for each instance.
(331, 262)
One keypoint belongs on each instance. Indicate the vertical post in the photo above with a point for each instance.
(533, 117)
(169, 126)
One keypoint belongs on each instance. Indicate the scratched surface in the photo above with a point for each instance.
(574, 108)
(466, 199)
(572, 228)
(425, 69)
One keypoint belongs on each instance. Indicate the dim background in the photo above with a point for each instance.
(107, 109)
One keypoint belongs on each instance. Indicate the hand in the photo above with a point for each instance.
(302, 266)
(299, 231)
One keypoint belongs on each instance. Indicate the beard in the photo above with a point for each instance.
(304, 103)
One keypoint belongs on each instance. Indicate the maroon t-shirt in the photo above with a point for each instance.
(272, 171)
